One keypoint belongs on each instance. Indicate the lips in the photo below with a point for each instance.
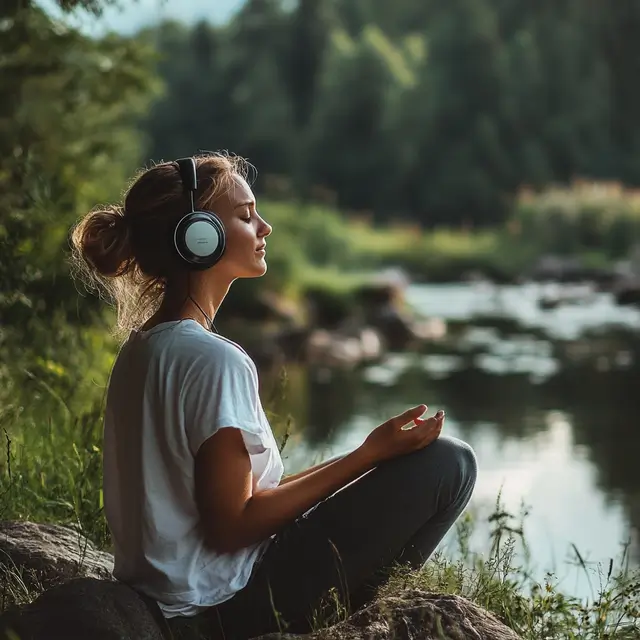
(262, 247)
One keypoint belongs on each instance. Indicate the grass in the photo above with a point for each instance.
(501, 582)
(597, 223)
(51, 472)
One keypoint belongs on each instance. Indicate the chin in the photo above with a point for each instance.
(256, 272)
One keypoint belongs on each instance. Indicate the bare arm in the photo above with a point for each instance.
(234, 517)
(306, 472)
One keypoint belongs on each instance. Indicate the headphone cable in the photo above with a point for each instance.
(212, 327)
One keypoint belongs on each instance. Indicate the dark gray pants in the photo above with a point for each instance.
(396, 513)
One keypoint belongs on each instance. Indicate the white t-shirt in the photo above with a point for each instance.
(171, 388)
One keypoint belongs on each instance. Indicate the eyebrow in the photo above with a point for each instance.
(244, 204)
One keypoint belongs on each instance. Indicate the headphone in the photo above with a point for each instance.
(199, 237)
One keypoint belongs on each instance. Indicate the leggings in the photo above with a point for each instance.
(394, 514)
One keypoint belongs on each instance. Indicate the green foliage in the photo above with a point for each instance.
(51, 472)
(501, 582)
(223, 89)
(67, 141)
(603, 218)
(436, 111)
(52, 469)
(376, 74)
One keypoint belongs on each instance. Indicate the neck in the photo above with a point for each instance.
(192, 298)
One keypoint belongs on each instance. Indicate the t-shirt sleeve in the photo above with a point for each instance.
(223, 392)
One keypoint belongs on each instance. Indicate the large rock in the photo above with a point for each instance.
(83, 609)
(96, 607)
(416, 615)
(47, 554)
(104, 610)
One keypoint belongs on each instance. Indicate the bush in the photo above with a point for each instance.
(581, 218)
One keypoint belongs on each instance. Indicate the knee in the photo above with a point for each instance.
(457, 461)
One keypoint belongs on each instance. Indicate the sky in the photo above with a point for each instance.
(138, 13)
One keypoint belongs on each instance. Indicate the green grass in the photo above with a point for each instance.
(51, 472)
(500, 580)
(598, 223)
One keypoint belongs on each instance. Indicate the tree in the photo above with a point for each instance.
(307, 34)
(615, 26)
(355, 127)
(67, 141)
(460, 165)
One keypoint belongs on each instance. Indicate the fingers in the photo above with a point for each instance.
(439, 417)
(428, 430)
(411, 415)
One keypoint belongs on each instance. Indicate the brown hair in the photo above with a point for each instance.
(126, 253)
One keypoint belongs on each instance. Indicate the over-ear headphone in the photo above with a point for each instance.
(199, 237)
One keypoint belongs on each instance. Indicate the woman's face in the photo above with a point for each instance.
(246, 231)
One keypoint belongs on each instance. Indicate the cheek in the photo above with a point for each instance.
(239, 240)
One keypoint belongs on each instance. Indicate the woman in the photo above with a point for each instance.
(202, 521)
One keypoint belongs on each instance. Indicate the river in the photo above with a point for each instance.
(547, 397)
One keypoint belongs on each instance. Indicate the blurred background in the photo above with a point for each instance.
(453, 188)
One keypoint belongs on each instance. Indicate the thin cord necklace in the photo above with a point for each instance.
(212, 326)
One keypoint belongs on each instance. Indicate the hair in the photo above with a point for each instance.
(125, 251)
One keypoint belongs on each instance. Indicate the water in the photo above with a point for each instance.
(547, 398)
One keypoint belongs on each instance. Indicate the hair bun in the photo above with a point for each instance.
(103, 240)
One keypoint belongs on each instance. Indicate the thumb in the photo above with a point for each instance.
(408, 416)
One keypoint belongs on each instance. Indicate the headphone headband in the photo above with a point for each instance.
(188, 174)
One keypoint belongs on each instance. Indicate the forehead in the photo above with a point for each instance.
(240, 191)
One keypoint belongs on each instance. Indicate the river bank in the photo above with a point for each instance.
(56, 583)
(358, 325)
(500, 377)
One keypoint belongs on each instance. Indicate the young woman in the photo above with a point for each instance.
(202, 521)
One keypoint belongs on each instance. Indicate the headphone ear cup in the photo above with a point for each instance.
(199, 239)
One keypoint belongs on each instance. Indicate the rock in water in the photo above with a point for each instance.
(414, 615)
(50, 554)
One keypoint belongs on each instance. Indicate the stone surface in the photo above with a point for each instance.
(83, 609)
(105, 610)
(97, 607)
(415, 615)
(47, 554)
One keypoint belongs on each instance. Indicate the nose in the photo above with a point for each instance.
(265, 228)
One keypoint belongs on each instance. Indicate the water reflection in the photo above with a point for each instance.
(549, 398)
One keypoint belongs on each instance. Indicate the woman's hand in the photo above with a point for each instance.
(390, 439)
(234, 516)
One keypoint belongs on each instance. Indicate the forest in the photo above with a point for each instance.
(435, 111)
(462, 117)
(446, 138)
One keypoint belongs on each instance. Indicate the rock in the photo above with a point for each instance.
(47, 554)
(628, 296)
(327, 309)
(97, 607)
(84, 608)
(338, 350)
(568, 269)
(563, 295)
(396, 327)
(416, 615)
(104, 610)
(627, 291)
